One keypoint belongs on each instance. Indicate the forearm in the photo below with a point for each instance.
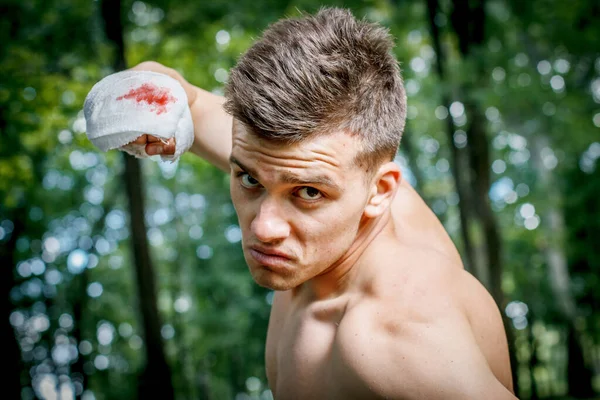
(212, 128)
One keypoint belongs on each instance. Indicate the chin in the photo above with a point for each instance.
(279, 287)
(272, 281)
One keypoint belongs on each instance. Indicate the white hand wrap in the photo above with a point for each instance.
(125, 105)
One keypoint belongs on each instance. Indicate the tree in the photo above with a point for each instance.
(155, 379)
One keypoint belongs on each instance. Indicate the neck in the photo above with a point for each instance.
(339, 277)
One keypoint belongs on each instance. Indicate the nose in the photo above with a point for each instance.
(268, 225)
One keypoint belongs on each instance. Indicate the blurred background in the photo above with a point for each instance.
(124, 279)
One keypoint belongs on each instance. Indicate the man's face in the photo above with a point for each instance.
(299, 206)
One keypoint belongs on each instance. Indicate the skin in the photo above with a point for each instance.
(372, 300)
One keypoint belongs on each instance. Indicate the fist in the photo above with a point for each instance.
(151, 145)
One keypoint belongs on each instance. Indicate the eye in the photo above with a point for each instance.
(309, 193)
(248, 181)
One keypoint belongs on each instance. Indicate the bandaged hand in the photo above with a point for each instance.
(141, 112)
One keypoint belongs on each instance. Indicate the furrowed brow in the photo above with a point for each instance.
(233, 160)
(288, 178)
(323, 180)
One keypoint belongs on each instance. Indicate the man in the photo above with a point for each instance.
(372, 299)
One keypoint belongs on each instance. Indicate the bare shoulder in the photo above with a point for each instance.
(410, 336)
(486, 323)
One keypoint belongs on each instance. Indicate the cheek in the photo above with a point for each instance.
(330, 235)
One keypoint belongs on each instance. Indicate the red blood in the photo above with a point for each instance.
(151, 94)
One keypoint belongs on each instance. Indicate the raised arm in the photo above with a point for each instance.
(212, 125)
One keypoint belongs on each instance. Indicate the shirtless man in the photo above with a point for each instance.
(372, 300)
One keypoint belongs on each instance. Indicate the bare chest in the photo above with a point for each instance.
(299, 352)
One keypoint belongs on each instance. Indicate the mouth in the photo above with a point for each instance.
(270, 258)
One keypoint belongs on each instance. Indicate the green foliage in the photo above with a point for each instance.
(536, 77)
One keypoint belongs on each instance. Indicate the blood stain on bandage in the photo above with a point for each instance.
(151, 94)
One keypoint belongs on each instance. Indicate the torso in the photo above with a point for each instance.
(309, 343)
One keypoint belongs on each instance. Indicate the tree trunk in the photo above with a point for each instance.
(155, 380)
(579, 375)
(79, 305)
(468, 22)
(11, 389)
(553, 223)
(479, 157)
(533, 359)
(464, 199)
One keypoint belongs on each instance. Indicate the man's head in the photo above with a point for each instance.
(319, 109)
(321, 74)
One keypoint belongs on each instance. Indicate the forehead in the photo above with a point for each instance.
(333, 153)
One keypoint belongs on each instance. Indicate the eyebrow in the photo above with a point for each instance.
(286, 177)
(233, 160)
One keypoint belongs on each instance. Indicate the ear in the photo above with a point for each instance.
(384, 186)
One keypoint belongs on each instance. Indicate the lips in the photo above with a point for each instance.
(271, 252)
(270, 258)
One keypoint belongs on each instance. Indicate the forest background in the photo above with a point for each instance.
(123, 277)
